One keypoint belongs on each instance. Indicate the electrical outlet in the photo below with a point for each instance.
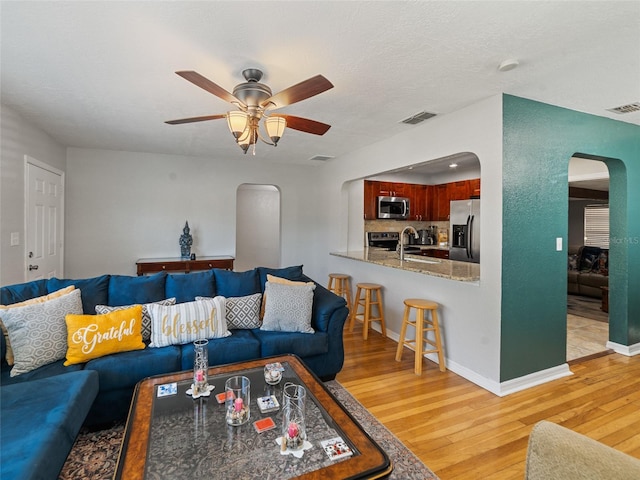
(15, 239)
(559, 244)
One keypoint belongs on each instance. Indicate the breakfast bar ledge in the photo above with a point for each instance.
(436, 267)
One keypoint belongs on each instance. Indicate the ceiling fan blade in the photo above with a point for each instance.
(209, 86)
(304, 124)
(300, 91)
(195, 119)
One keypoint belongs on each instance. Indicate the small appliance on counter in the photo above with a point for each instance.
(383, 240)
(427, 236)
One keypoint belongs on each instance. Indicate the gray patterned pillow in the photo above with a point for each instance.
(288, 308)
(38, 332)
(146, 318)
(243, 313)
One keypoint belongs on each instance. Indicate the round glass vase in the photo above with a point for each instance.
(237, 400)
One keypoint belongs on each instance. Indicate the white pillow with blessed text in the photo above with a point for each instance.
(187, 322)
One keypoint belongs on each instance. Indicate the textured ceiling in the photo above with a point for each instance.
(101, 74)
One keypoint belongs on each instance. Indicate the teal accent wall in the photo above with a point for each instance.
(538, 141)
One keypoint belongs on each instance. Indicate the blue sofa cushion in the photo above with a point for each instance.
(128, 290)
(125, 369)
(46, 371)
(241, 345)
(40, 421)
(23, 291)
(237, 284)
(94, 290)
(301, 344)
(290, 273)
(185, 288)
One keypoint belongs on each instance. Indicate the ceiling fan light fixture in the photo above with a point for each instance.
(275, 128)
(237, 121)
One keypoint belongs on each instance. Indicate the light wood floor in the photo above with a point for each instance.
(461, 431)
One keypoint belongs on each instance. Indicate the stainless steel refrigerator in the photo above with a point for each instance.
(465, 230)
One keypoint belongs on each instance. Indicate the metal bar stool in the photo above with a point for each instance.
(340, 284)
(423, 324)
(372, 296)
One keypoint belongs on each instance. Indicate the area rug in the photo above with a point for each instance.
(95, 454)
(586, 307)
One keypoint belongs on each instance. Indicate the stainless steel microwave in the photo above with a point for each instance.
(394, 207)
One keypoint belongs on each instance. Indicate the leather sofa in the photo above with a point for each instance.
(587, 271)
(118, 373)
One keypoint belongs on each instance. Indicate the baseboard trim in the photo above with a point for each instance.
(628, 350)
(501, 389)
(533, 379)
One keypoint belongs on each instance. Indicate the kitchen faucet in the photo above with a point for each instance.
(408, 228)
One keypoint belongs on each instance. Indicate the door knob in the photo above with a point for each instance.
(33, 267)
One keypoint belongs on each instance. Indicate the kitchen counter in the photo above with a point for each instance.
(450, 269)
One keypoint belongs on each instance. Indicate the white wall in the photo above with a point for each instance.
(122, 206)
(19, 138)
(470, 313)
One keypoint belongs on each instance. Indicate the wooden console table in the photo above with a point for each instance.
(177, 264)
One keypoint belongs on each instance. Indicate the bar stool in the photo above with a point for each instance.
(340, 284)
(423, 324)
(372, 296)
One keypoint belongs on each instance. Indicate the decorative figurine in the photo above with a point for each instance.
(186, 240)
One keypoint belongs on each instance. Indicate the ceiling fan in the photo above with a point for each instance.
(255, 101)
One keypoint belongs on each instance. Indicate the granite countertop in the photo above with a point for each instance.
(450, 269)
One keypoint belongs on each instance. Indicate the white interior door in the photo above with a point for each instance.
(44, 221)
(257, 227)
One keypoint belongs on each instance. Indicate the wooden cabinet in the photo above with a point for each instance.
(154, 265)
(419, 202)
(444, 193)
(428, 202)
(440, 210)
(437, 253)
(417, 195)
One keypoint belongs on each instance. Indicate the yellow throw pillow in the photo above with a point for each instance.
(31, 301)
(283, 281)
(94, 336)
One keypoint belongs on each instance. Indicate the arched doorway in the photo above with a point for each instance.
(587, 242)
(257, 227)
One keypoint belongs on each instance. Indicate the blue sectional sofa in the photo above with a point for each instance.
(40, 421)
(118, 373)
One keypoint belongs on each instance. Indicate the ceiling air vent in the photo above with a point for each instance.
(418, 117)
(632, 107)
(321, 158)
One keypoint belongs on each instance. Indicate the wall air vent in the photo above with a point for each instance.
(632, 107)
(418, 117)
(321, 158)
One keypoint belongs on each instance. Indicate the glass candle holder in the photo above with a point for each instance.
(273, 373)
(293, 394)
(294, 432)
(200, 366)
(237, 400)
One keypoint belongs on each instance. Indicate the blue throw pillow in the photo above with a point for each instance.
(23, 291)
(94, 291)
(128, 290)
(290, 273)
(185, 288)
(236, 284)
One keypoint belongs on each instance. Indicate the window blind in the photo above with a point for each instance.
(596, 226)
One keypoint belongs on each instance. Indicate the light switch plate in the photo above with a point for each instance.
(15, 239)
(559, 244)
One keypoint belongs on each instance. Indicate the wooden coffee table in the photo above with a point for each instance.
(176, 436)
